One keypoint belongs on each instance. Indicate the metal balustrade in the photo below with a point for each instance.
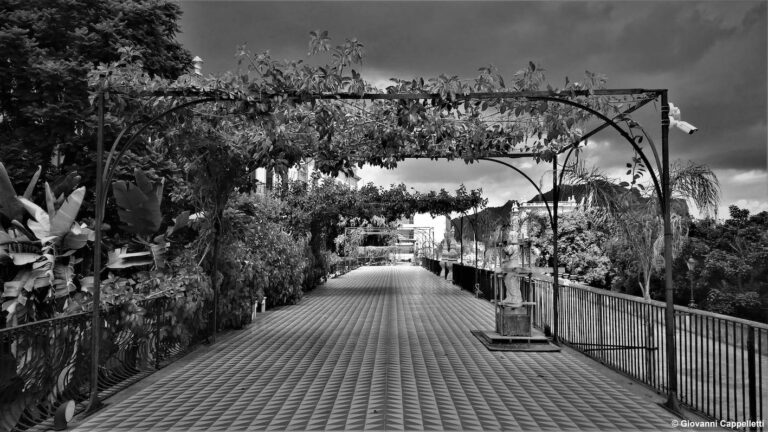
(721, 360)
(343, 265)
(48, 362)
(466, 277)
(432, 265)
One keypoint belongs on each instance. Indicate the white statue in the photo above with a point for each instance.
(512, 260)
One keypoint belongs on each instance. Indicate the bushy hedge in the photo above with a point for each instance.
(258, 258)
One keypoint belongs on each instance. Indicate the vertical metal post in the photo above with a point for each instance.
(215, 270)
(461, 240)
(159, 316)
(752, 373)
(93, 402)
(555, 262)
(474, 235)
(669, 316)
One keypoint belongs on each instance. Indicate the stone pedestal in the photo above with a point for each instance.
(513, 321)
(513, 314)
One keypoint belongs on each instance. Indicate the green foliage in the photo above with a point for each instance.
(730, 273)
(292, 106)
(582, 247)
(41, 258)
(323, 207)
(633, 214)
(48, 49)
(261, 260)
(139, 204)
(729, 301)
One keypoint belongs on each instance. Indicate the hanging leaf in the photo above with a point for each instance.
(64, 274)
(32, 183)
(181, 221)
(50, 201)
(23, 258)
(65, 184)
(159, 251)
(78, 237)
(65, 216)
(139, 204)
(86, 284)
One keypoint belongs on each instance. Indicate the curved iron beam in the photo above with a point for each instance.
(109, 172)
(613, 124)
(604, 125)
(538, 189)
(565, 163)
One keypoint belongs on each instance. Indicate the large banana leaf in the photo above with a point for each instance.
(9, 204)
(32, 183)
(16, 247)
(55, 223)
(78, 237)
(66, 214)
(139, 204)
(27, 280)
(23, 258)
(40, 223)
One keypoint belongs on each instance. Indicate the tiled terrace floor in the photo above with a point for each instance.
(380, 348)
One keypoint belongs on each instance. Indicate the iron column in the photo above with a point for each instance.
(669, 316)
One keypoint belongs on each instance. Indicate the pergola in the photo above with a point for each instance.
(577, 99)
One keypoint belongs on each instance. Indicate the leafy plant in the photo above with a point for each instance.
(44, 251)
(139, 209)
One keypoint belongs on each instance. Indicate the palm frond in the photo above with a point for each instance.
(697, 183)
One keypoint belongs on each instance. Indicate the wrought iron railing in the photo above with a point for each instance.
(720, 359)
(343, 265)
(432, 265)
(478, 282)
(46, 363)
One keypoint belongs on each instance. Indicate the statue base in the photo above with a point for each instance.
(512, 320)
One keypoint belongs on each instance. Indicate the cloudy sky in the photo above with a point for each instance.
(711, 55)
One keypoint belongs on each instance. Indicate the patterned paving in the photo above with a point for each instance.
(380, 348)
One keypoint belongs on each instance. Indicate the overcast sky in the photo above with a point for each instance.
(711, 55)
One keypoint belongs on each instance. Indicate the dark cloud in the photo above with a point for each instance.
(711, 55)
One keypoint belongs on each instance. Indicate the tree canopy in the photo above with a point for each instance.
(47, 50)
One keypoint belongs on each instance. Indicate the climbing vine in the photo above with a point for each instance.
(329, 113)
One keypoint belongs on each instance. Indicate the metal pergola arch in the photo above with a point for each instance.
(662, 187)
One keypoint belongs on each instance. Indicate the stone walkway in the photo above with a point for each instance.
(380, 348)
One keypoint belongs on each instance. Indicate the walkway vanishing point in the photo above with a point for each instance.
(380, 348)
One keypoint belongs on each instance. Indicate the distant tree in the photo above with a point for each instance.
(47, 49)
(731, 271)
(635, 216)
(581, 246)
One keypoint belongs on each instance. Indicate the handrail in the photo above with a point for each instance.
(658, 303)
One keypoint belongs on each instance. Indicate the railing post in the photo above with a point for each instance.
(752, 376)
(157, 336)
(93, 402)
(555, 257)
